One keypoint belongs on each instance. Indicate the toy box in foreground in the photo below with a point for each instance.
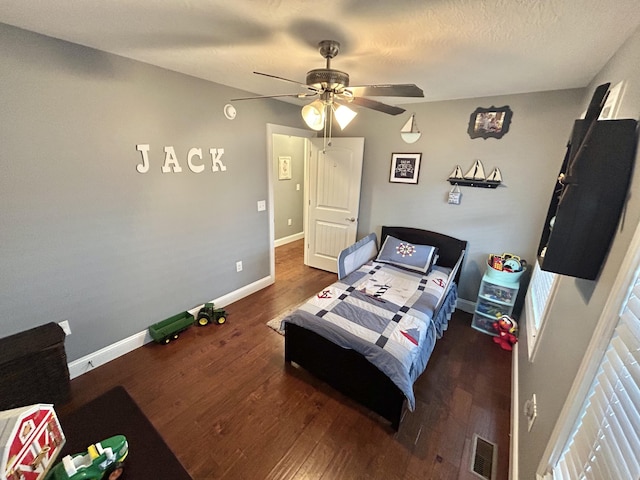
(30, 440)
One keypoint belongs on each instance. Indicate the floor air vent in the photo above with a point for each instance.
(483, 458)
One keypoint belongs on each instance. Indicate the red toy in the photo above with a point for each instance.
(507, 329)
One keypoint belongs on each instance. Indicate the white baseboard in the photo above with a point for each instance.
(515, 427)
(291, 238)
(466, 305)
(115, 350)
(245, 291)
(108, 353)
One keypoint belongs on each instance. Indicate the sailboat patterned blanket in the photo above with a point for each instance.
(386, 314)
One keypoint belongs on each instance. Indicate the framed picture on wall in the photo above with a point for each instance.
(489, 122)
(405, 167)
(284, 168)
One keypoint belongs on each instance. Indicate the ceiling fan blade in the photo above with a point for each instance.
(293, 95)
(399, 90)
(303, 85)
(375, 105)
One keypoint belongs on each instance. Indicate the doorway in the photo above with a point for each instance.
(324, 208)
(289, 168)
(272, 175)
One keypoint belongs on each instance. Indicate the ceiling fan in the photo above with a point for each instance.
(331, 87)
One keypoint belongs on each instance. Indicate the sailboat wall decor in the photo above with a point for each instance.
(457, 173)
(410, 132)
(475, 176)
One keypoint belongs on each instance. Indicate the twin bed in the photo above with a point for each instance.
(371, 333)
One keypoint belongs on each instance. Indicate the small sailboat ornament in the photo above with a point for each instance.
(409, 132)
(476, 172)
(475, 176)
(457, 173)
(495, 176)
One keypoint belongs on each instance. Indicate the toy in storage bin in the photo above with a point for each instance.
(498, 291)
(506, 267)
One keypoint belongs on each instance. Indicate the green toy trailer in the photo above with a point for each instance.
(209, 314)
(168, 329)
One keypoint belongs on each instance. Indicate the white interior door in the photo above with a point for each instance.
(334, 199)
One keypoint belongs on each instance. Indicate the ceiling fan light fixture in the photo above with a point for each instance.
(343, 115)
(313, 114)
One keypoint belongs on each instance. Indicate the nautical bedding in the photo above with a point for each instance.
(386, 314)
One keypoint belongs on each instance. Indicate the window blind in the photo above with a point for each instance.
(540, 289)
(606, 439)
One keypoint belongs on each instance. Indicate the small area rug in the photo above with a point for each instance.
(274, 323)
(114, 413)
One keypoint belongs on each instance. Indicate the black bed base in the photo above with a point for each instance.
(345, 370)
(348, 371)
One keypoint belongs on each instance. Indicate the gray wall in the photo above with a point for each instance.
(112, 250)
(88, 239)
(288, 201)
(508, 218)
(578, 304)
(84, 236)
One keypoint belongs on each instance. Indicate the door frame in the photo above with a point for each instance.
(272, 129)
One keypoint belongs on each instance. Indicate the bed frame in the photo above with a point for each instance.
(348, 371)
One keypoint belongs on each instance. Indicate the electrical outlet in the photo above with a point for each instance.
(239, 266)
(297, 186)
(262, 205)
(531, 411)
(289, 222)
(65, 327)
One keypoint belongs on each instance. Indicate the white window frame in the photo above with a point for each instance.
(600, 340)
(540, 295)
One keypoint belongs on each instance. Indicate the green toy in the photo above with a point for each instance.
(101, 461)
(169, 328)
(209, 314)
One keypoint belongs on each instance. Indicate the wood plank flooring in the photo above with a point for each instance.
(229, 407)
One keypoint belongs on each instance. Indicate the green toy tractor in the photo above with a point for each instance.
(101, 461)
(209, 314)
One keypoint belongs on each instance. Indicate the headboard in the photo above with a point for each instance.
(449, 248)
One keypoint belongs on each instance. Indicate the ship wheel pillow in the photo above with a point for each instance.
(417, 258)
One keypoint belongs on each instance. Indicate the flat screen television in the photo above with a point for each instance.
(590, 194)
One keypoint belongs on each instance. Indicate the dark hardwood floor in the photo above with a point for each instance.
(229, 407)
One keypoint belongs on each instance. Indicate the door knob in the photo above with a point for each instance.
(352, 219)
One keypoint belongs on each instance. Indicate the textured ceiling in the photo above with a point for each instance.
(449, 48)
